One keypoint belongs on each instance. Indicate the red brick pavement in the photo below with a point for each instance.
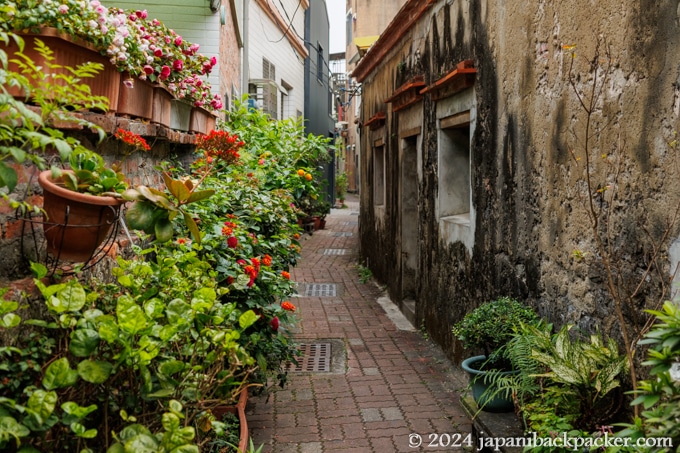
(394, 383)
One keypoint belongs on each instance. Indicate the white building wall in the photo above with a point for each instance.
(267, 40)
(191, 19)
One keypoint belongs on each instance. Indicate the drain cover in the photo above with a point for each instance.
(316, 357)
(335, 251)
(342, 234)
(321, 290)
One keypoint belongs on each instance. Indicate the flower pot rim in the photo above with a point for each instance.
(47, 183)
(467, 366)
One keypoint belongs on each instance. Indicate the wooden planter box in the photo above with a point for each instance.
(202, 121)
(135, 98)
(70, 52)
(162, 106)
(180, 115)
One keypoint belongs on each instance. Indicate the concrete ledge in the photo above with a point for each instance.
(489, 425)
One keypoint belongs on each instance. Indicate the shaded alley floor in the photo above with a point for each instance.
(384, 383)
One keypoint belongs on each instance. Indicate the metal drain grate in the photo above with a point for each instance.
(335, 251)
(350, 222)
(343, 234)
(321, 290)
(316, 357)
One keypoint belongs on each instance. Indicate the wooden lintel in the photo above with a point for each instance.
(379, 142)
(410, 132)
(458, 120)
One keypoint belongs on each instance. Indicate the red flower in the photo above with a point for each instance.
(232, 242)
(287, 306)
(178, 41)
(177, 65)
(267, 260)
(241, 262)
(285, 275)
(181, 241)
(230, 280)
(274, 323)
(256, 263)
(132, 139)
(165, 72)
(148, 70)
(227, 231)
(158, 53)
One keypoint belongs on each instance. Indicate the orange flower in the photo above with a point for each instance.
(267, 260)
(287, 306)
(285, 275)
(296, 236)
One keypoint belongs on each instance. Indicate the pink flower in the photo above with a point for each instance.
(141, 14)
(274, 323)
(63, 9)
(165, 72)
(177, 65)
(158, 53)
(178, 41)
(232, 242)
(213, 61)
(241, 262)
(129, 83)
(148, 70)
(261, 161)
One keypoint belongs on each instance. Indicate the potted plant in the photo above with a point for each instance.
(487, 329)
(320, 211)
(81, 205)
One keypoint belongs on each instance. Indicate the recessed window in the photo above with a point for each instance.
(454, 167)
(379, 175)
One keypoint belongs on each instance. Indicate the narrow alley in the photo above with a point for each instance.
(375, 380)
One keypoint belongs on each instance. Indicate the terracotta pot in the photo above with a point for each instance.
(69, 51)
(240, 411)
(162, 106)
(135, 98)
(202, 121)
(180, 115)
(76, 223)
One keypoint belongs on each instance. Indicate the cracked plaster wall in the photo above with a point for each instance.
(527, 166)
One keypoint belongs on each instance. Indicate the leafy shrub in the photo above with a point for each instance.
(491, 325)
(660, 395)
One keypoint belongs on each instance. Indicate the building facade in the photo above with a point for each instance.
(526, 151)
(275, 54)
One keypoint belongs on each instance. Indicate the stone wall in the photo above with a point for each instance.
(530, 235)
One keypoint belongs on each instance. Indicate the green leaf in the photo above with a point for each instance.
(200, 195)
(10, 427)
(178, 312)
(108, 329)
(170, 367)
(131, 317)
(41, 404)
(176, 408)
(142, 443)
(170, 421)
(71, 297)
(39, 270)
(59, 375)
(10, 320)
(116, 448)
(94, 371)
(8, 177)
(76, 410)
(81, 431)
(83, 342)
(193, 228)
(185, 449)
(247, 319)
(7, 306)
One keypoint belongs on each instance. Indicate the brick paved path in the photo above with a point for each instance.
(384, 383)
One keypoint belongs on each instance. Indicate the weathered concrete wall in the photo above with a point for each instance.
(527, 157)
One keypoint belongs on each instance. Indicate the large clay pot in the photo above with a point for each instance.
(76, 223)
